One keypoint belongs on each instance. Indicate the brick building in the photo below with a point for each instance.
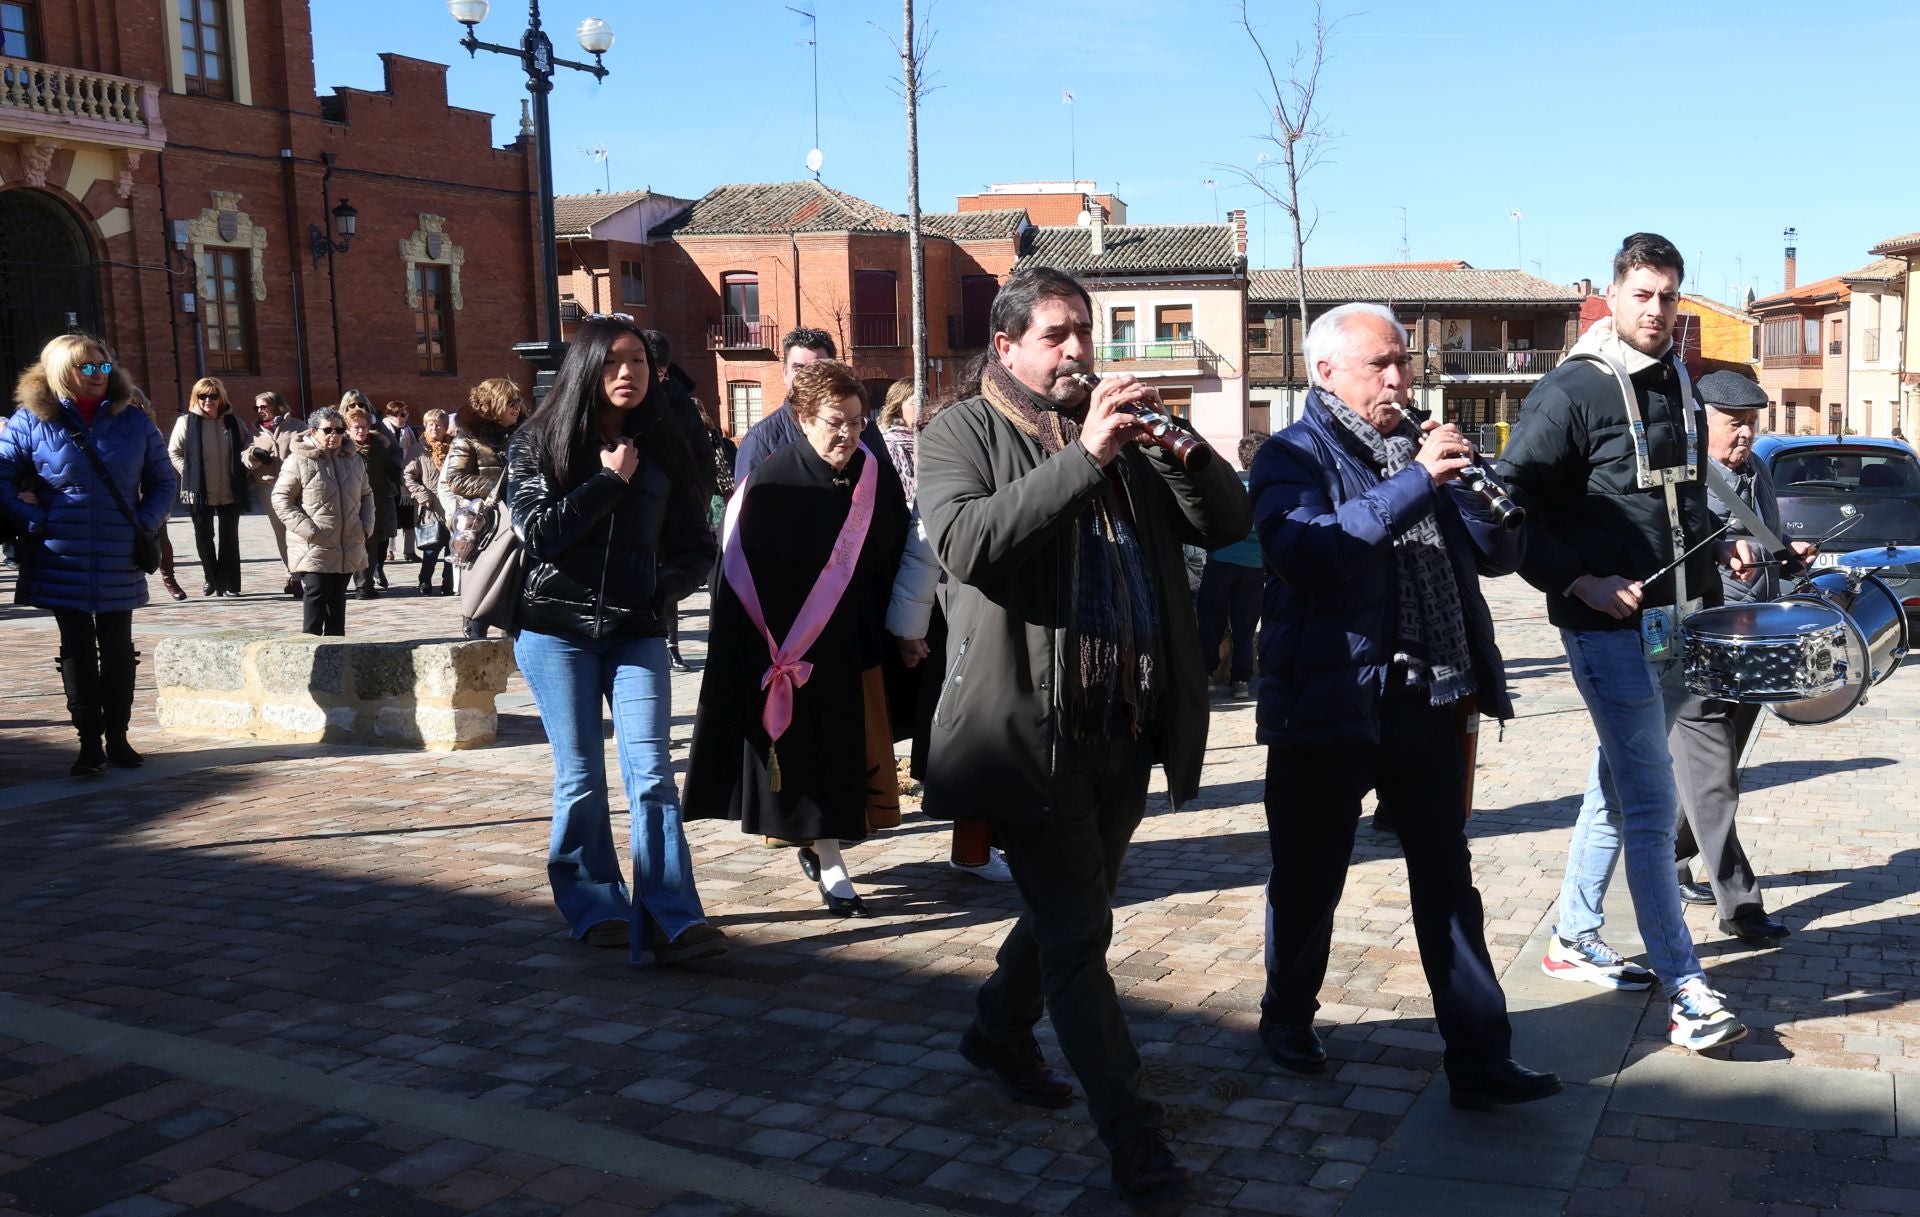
(1046, 203)
(1492, 333)
(1803, 362)
(730, 273)
(161, 177)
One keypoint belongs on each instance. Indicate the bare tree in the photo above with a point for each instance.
(916, 42)
(1293, 128)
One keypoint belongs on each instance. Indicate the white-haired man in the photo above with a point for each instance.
(1375, 648)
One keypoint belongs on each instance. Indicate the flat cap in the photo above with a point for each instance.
(1731, 391)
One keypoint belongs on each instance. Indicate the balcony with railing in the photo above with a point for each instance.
(743, 332)
(1497, 365)
(54, 102)
(878, 329)
(1158, 356)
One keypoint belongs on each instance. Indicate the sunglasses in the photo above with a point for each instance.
(330, 430)
(95, 369)
(626, 317)
(208, 396)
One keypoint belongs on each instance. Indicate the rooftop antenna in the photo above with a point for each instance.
(599, 153)
(813, 40)
(1214, 186)
(1519, 259)
(1073, 150)
(1406, 248)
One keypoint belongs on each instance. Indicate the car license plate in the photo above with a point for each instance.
(1826, 559)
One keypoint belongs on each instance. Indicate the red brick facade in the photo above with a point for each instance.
(246, 173)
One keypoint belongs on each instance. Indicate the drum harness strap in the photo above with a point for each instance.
(1737, 508)
(1670, 478)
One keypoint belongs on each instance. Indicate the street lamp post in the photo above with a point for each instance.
(537, 59)
(346, 222)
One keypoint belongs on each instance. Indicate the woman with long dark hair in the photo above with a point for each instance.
(605, 495)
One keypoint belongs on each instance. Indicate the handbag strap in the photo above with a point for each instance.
(100, 469)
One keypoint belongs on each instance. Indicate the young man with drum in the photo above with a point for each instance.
(1710, 735)
(1606, 460)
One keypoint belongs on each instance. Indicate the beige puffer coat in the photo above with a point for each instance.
(326, 502)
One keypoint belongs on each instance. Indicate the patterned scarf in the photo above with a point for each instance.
(1113, 633)
(1432, 642)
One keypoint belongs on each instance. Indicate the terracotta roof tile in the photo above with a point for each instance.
(1907, 244)
(1833, 286)
(1717, 306)
(574, 214)
(746, 209)
(1134, 248)
(1396, 282)
(1003, 223)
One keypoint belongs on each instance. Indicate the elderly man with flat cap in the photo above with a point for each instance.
(1709, 736)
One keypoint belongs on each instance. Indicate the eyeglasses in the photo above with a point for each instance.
(95, 369)
(850, 426)
(329, 430)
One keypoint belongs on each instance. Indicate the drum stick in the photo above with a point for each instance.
(1709, 539)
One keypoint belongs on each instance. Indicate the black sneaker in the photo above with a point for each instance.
(695, 942)
(1145, 1170)
(1022, 1071)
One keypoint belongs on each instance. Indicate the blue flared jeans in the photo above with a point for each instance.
(1631, 798)
(570, 678)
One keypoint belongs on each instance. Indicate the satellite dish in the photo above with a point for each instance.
(1084, 218)
(814, 160)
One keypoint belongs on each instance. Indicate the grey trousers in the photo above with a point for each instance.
(1706, 742)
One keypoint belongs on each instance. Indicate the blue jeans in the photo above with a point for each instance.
(569, 678)
(1631, 795)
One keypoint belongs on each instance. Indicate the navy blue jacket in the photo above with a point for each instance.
(1330, 609)
(78, 548)
(781, 428)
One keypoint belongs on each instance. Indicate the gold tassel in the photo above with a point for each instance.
(773, 769)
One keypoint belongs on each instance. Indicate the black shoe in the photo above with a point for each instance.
(121, 753)
(367, 593)
(294, 589)
(844, 906)
(1295, 1048)
(92, 760)
(1755, 926)
(1145, 1170)
(607, 934)
(695, 942)
(810, 863)
(1022, 1071)
(381, 575)
(206, 589)
(1696, 893)
(673, 660)
(426, 586)
(1478, 1087)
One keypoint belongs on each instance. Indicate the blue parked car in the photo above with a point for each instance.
(1815, 475)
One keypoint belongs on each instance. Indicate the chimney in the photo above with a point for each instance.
(1238, 218)
(1586, 288)
(1792, 239)
(1097, 227)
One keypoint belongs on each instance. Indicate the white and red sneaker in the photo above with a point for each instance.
(1594, 962)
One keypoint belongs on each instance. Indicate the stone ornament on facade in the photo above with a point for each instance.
(225, 225)
(36, 158)
(430, 243)
(129, 164)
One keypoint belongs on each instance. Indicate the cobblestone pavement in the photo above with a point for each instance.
(267, 978)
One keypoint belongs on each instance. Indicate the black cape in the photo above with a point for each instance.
(796, 504)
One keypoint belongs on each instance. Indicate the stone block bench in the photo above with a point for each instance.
(404, 693)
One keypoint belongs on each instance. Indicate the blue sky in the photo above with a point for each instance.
(1718, 124)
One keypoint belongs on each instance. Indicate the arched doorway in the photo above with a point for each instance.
(48, 281)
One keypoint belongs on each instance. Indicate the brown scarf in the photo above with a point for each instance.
(1113, 634)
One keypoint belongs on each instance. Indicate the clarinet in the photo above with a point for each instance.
(1480, 479)
(1190, 450)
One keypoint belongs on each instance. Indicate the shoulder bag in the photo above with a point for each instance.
(474, 523)
(146, 545)
(496, 574)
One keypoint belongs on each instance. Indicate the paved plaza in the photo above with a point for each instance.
(268, 978)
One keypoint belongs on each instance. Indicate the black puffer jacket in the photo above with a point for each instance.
(607, 558)
(1570, 463)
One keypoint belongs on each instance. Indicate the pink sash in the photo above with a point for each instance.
(789, 670)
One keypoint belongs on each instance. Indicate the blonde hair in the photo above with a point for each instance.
(354, 399)
(61, 356)
(433, 416)
(217, 385)
(894, 409)
(491, 399)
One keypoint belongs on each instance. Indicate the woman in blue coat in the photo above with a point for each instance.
(77, 544)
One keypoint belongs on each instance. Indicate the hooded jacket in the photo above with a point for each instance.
(1570, 462)
(1000, 515)
(326, 501)
(1330, 611)
(77, 544)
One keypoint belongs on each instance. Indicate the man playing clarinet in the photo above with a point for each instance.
(1376, 648)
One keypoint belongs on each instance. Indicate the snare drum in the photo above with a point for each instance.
(1766, 651)
(1876, 639)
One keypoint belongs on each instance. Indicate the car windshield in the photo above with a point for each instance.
(1845, 472)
